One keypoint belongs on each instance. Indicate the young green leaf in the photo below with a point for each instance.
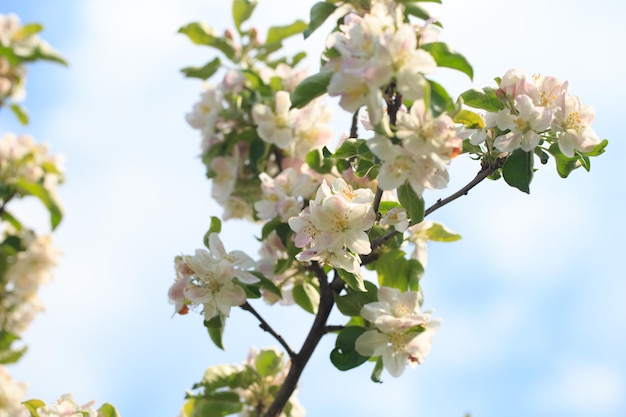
(277, 34)
(107, 410)
(485, 99)
(268, 363)
(448, 58)
(319, 13)
(306, 296)
(350, 304)
(310, 88)
(354, 281)
(215, 326)
(33, 405)
(242, 10)
(203, 72)
(38, 190)
(20, 113)
(412, 203)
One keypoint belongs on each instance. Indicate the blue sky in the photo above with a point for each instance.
(531, 297)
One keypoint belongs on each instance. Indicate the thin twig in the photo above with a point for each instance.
(334, 328)
(485, 171)
(265, 326)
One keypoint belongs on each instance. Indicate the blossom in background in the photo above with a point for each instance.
(572, 121)
(67, 407)
(402, 334)
(335, 225)
(11, 396)
(276, 125)
(207, 279)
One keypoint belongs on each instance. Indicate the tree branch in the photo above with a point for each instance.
(354, 133)
(318, 329)
(485, 171)
(265, 326)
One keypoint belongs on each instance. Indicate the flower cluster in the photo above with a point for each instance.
(29, 266)
(67, 407)
(208, 279)
(426, 146)
(283, 195)
(537, 108)
(369, 51)
(402, 332)
(23, 159)
(333, 228)
(11, 396)
(240, 117)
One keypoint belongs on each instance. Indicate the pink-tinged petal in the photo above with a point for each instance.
(198, 295)
(508, 142)
(371, 343)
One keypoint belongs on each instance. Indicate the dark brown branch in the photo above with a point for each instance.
(377, 197)
(334, 328)
(354, 132)
(265, 326)
(318, 329)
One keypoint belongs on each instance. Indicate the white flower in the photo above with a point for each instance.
(206, 278)
(284, 195)
(276, 126)
(572, 121)
(335, 225)
(402, 334)
(525, 125)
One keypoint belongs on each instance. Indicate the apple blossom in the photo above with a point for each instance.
(572, 121)
(525, 125)
(402, 333)
(67, 407)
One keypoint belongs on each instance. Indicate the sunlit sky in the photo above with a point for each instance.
(531, 298)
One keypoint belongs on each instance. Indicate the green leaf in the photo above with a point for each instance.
(438, 233)
(277, 34)
(354, 281)
(268, 363)
(203, 72)
(350, 304)
(411, 9)
(485, 100)
(8, 217)
(518, 170)
(37, 190)
(412, 203)
(564, 165)
(215, 227)
(395, 271)
(318, 163)
(440, 100)
(33, 405)
(348, 149)
(319, 13)
(202, 34)
(310, 88)
(378, 371)
(20, 113)
(242, 10)
(448, 58)
(220, 376)
(385, 206)
(11, 356)
(215, 326)
(267, 284)
(344, 356)
(307, 296)
(107, 410)
(217, 404)
(470, 119)
(27, 30)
